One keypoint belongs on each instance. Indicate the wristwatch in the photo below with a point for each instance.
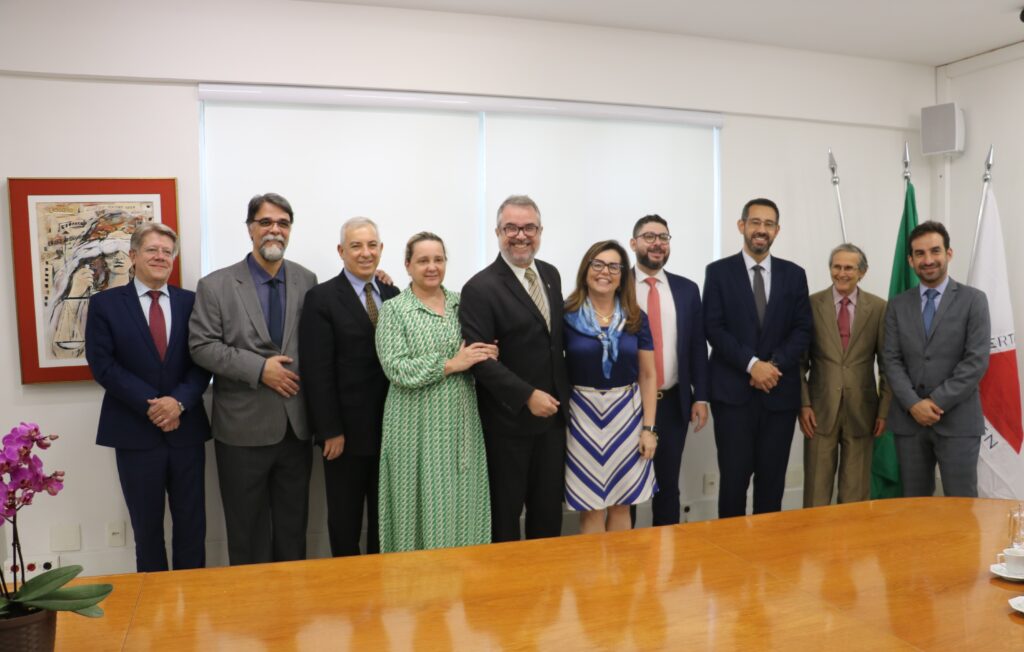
(181, 407)
(651, 429)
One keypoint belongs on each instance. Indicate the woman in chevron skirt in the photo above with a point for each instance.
(433, 468)
(610, 358)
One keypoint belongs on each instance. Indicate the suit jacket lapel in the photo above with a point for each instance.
(827, 315)
(178, 321)
(518, 291)
(352, 302)
(246, 290)
(865, 307)
(746, 290)
(778, 282)
(133, 307)
(291, 306)
(947, 299)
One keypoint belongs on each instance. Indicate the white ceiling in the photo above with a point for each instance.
(918, 31)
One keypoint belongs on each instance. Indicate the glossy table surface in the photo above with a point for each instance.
(901, 574)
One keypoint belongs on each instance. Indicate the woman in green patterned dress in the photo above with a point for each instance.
(433, 469)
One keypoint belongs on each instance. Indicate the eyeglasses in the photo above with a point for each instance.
(267, 223)
(613, 268)
(152, 252)
(511, 230)
(758, 223)
(651, 236)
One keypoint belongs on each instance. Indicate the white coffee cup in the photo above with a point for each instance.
(1013, 560)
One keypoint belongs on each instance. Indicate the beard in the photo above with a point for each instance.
(269, 251)
(759, 249)
(646, 261)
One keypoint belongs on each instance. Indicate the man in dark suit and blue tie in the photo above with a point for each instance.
(136, 342)
(673, 308)
(757, 318)
(346, 386)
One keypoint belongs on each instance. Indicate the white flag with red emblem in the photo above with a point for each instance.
(1000, 463)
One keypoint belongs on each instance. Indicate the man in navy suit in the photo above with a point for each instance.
(136, 342)
(346, 386)
(758, 320)
(672, 304)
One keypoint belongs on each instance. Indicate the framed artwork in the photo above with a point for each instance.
(70, 240)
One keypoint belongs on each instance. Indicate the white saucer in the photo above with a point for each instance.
(1000, 570)
(1018, 603)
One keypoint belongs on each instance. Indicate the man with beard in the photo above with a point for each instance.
(244, 329)
(673, 308)
(517, 302)
(758, 320)
(936, 352)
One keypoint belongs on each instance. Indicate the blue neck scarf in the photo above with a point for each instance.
(585, 321)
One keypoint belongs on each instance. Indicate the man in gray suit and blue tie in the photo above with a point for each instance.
(936, 352)
(244, 328)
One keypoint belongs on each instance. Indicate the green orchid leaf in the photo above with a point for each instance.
(43, 584)
(71, 599)
(91, 612)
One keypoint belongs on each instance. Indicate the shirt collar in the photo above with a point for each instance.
(141, 288)
(261, 274)
(941, 288)
(520, 272)
(642, 276)
(837, 297)
(750, 262)
(359, 284)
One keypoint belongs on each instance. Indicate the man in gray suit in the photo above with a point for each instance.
(936, 351)
(244, 329)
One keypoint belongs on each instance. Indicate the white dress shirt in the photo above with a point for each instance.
(669, 357)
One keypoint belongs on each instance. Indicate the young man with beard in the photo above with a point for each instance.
(244, 329)
(936, 353)
(758, 321)
(673, 308)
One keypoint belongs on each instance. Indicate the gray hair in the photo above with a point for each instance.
(850, 249)
(357, 222)
(518, 200)
(159, 228)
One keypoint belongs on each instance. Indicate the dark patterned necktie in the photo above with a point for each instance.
(371, 305)
(760, 296)
(275, 320)
(157, 325)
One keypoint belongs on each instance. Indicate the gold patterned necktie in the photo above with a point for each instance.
(371, 305)
(536, 293)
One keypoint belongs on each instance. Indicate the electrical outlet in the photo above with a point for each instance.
(710, 484)
(115, 534)
(34, 566)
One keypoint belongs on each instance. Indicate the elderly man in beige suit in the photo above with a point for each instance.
(844, 406)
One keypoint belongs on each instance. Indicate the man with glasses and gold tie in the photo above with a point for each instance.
(758, 321)
(244, 329)
(345, 385)
(517, 302)
(673, 308)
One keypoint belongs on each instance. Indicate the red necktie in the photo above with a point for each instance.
(844, 321)
(157, 325)
(654, 317)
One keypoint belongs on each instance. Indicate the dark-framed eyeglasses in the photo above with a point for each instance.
(613, 268)
(650, 236)
(529, 230)
(267, 223)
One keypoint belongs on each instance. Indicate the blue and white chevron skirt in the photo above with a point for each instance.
(603, 465)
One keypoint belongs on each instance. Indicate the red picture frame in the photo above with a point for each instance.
(29, 284)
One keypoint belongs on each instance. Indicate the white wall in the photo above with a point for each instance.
(990, 90)
(106, 88)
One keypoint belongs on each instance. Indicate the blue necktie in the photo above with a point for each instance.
(275, 323)
(929, 309)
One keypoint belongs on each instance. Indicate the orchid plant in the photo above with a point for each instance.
(21, 479)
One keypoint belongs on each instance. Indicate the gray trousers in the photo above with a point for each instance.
(957, 458)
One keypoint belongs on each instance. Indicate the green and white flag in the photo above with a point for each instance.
(885, 466)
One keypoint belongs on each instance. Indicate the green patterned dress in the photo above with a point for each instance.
(433, 468)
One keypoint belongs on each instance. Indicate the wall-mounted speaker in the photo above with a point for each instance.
(942, 129)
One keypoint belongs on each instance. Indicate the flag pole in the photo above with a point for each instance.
(906, 164)
(839, 199)
(986, 180)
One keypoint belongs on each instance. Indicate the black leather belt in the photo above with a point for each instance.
(664, 392)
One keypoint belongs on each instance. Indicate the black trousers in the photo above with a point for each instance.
(350, 482)
(752, 441)
(672, 425)
(148, 478)
(526, 470)
(265, 492)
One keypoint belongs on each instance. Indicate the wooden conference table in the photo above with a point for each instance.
(901, 574)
